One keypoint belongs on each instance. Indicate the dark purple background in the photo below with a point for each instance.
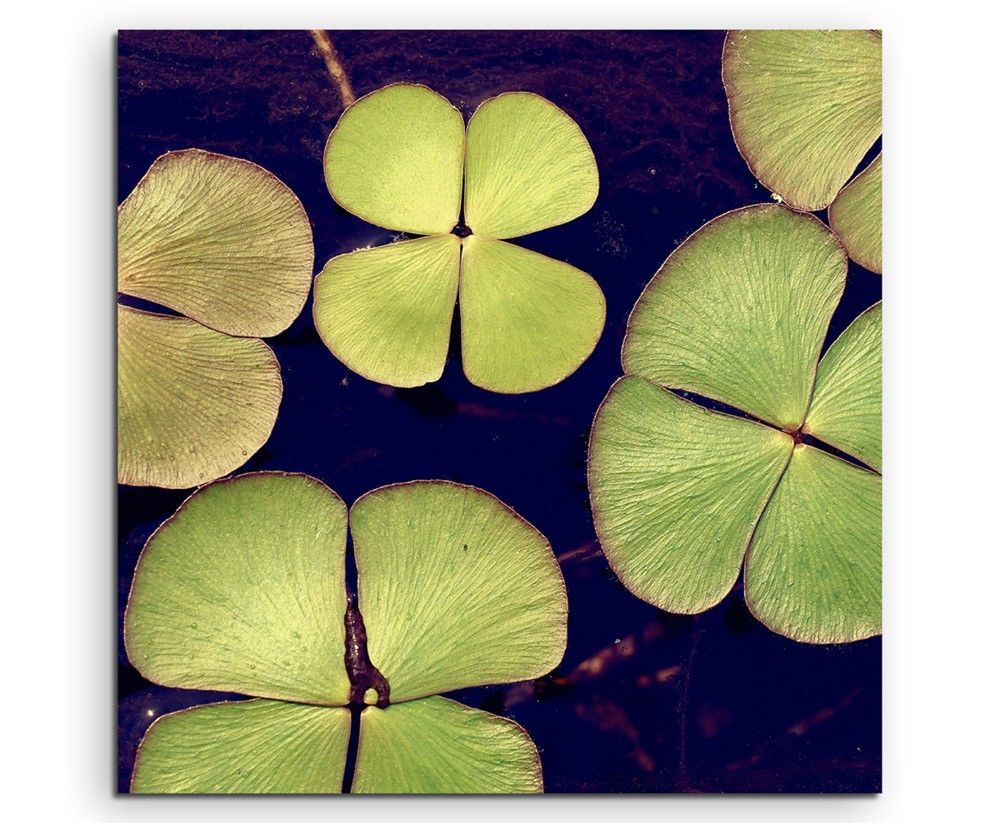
(739, 708)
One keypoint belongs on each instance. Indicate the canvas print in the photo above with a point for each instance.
(499, 412)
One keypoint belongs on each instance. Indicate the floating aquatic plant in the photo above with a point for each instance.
(788, 485)
(243, 590)
(228, 246)
(805, 108)
(398, 158)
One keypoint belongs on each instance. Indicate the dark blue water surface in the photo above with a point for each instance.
(712, 703)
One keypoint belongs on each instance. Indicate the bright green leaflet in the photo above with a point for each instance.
(846, 409)
(227, 244)
(856, 216)
(421, 746)
(814, 572)
(527, 167)
(676, 491)
(169, 366)
(386, 312)
(397, 159)
(738, 312)
(681, 494)
(243, 590)
(249, 747)
(217, 239)
(515, 302)
(805, 107)
(456, 589)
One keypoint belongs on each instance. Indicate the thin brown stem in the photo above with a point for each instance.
(333, 65)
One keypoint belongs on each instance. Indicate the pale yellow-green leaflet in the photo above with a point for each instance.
(242, 590)
(433, 745)
(738, 312)
(395, 159)
(814, 569)
(514, 303)
(247, 747)
(193, 403)
(676, 491)
(527, 167)
(846, 408)
(856, 217)
(386, 312)
(217, 239)
(456, 589)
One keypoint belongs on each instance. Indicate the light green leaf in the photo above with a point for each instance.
(528, 321)
(437, 746)
(676, 492)
(217, 239)
(456, 589)
(805, 107)
(814, 571)
(193, 404)
(856, 216)
(395, 159)
(738, 312)
(846, 409)
(386, 312)
(248, 747)
(242, 590)
(527, 167)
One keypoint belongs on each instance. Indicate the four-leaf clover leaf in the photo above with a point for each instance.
(805, 109)
(402, 158)
(228, 246)
(683, 495)
(243, 590)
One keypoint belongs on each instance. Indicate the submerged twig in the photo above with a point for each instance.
(595, 667)
(333, 65)
(610, 718)
(683, 708)
(781, 742)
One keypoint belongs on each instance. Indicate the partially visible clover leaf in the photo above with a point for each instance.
(398, 158)
(243, 590)
(805, 108)
(245, 747)
(856, 217)
(683, 495)
(435, 746)
(228, 245)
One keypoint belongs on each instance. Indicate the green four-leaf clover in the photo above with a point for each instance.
(243, 590)
(683, 496)
(403, 159)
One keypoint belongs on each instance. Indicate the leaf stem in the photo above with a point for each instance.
(360, 670)
(333, 65)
